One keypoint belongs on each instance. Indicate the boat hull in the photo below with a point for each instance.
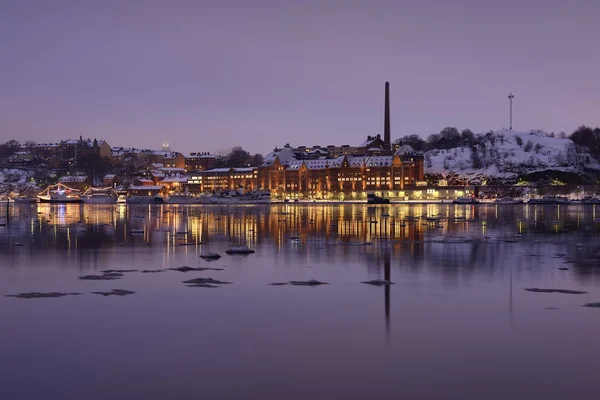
(99, 201)
(381, 201)
(374, 199)
(185, 200)
(543, 202)
(59, 201)
(144, 200)
(29, 200)
(465, 202)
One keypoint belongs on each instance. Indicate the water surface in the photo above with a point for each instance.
(457, 323)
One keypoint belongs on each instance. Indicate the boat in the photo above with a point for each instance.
(238, 197)
(465, 200)
(508, 200)
(59, 193)
(182, 198)
(25, 200)
(590, 200)
(372, 198)
(102, 195)
(158, 199)
(550, 200)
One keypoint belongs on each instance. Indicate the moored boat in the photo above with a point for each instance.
(183, 198)
(549, 200)
(158, 199)
(25, 200)
(105, 195)
(372, 198)
(59, 193)
(590, 200)
(465, 200)
(236, 197)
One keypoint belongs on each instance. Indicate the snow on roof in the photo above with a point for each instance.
(379, 161)
(317, 164)
(336, 162)
(149, 187)
(215, 170)
(47, 145)
(72, 179)
(405, 149)
(173, 155)
(172, 169)
(245, 169)
(175, 179)
(88, 141)
(109, 176)
(119, 151)
(368, 142)
(356, 161)
(200, 155)
(295, 164)
(285, 156)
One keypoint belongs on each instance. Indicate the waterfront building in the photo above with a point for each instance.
(221, 179)
(199, 161)
(79, 182)
(109, 180)
(173, 179)
(330, 172)
(174, 160)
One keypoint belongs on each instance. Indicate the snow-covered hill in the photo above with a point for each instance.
(15, 180)
(506, 155)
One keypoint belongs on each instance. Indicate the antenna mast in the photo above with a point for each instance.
(510, 99)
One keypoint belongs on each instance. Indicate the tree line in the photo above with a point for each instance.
(237, 158)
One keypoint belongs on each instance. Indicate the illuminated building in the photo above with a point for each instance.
(199, 161)
(326, 172)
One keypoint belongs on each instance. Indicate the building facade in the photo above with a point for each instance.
(199, 161)
(343, 177)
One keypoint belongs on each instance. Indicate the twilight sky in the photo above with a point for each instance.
(209, 75)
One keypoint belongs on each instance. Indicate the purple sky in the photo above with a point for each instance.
(208, 75)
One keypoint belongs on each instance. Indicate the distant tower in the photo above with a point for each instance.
(510, 100)
(386, 118)
(166, 147)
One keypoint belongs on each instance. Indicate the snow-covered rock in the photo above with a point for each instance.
(507, 154)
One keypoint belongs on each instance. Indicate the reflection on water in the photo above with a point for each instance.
(471, 236)
(457, 315)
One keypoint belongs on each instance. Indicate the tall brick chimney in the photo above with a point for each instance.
(386, 121)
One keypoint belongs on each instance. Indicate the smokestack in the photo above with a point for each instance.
(386, 121)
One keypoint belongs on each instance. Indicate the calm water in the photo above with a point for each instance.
(457, 324)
